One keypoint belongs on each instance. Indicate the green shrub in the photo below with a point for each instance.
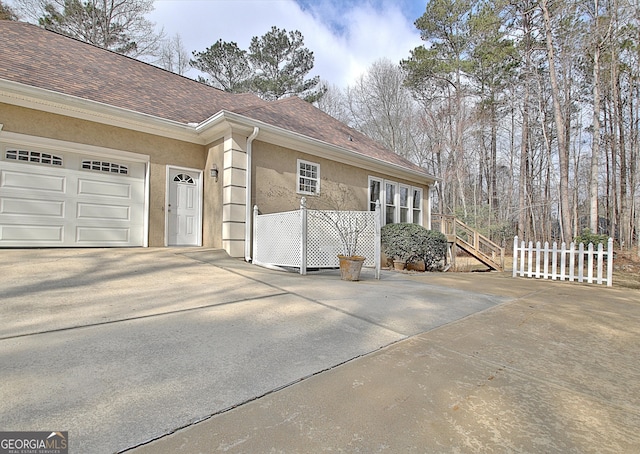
(587, 237)
(412, 243)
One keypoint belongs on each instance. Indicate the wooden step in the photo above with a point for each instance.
(471, 241)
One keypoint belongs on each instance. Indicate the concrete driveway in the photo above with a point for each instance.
(123, 346)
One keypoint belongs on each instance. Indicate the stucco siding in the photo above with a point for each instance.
(275, 181)
(342, 186)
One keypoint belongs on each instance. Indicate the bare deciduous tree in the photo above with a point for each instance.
(120, 26)
(173, 55)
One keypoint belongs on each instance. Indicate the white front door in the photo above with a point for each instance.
(183, 207)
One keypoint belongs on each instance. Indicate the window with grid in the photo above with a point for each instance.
(102, 166)
(399, 202)
(34, 156)
(308, 177)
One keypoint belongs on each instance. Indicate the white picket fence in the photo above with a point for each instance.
(576, 263)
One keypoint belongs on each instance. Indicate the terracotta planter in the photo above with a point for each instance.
(350, 267)
(416, 266)
(399, 265)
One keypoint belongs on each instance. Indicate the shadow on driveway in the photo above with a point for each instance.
(124, 346)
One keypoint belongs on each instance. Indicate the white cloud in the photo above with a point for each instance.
(345, 40)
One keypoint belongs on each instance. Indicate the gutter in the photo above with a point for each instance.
(248, 208)
(329, 151)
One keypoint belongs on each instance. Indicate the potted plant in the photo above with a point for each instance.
(347, 228)
(397, 243)
(333, 211)
(409, 243)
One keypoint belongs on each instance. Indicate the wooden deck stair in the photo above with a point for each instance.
(471, 241)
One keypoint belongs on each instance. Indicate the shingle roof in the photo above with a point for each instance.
(43, 59)
(36, 57)
(295, 114)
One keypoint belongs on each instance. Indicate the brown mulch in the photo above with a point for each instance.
(626, 269)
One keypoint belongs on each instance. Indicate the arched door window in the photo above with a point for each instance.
(183, 178)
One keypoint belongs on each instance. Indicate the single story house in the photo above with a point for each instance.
(98, 149)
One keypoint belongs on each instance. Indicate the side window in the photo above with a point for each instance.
(390, 202)
(417, 206)
(308, 178)
(375, 187)
(404, 204)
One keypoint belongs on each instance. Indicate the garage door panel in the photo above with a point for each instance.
(11, 206)
(94, 187)
(103, 235)
(103, 212)
(26, 181)
(31, 235)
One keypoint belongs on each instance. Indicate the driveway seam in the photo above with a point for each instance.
(142, 317)
(258, 397)
(328, 306)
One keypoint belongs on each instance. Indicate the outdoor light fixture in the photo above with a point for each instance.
(214, 172)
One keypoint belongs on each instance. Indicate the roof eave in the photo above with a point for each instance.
(316, 147)
(15, 93)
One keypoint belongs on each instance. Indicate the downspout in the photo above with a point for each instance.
(248, 207)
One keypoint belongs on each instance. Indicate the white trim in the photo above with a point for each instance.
(289, 139)
(200, 173)
(65, 146)
(248, 213)
(395, 203)
(380, 195)
(22, 95)
(396, 200)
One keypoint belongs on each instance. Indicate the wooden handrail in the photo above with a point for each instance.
(469, 239)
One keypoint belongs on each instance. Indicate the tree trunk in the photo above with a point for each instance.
(524, 167)
(595, 146)
(563, 150)
(524, 212)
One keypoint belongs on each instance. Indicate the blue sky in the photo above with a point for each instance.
(346, 36)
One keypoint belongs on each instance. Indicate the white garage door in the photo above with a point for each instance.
(50, 199)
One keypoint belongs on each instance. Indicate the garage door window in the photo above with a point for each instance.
(34, 156)
(102, 166)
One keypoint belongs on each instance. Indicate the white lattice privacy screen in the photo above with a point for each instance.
(280, 240)
(276, 239)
